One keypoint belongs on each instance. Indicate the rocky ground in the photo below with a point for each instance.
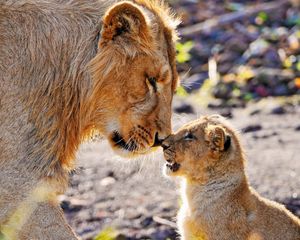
(247, 56)
(134, 199)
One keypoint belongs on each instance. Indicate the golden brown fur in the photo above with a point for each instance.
(68, 69)
(217, 202)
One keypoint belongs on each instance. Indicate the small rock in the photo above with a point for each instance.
(252, 128)
(111, 174)
(297, 128)
(237, 44)
(281, 90)
(227, 57)
(162, 234)
(216, 104)
(255, 112)
(257, 48)
(262, 91)
(222, 91)
(70, 206)
(107, 181)
(294, 42)
(147, 221)
(227, 113)
(120, 237)
(225, 68)
(132, 214)
(272, 59)
(278, 110)
(184, 108)
(87, 230)
(235, 103)
(255, 62)
(293, 205)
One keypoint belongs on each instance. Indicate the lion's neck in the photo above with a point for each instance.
(56, 97)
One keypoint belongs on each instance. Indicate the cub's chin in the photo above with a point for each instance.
(171, 169)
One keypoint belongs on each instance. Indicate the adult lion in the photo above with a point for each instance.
(69, 68)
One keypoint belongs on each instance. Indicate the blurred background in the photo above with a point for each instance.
(240, 59)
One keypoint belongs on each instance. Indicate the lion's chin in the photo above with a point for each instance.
(125, 153)
(128, 149)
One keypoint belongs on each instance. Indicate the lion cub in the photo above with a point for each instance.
(218, 203)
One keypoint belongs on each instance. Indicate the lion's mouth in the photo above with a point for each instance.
(119, 141)
(131, 145)
(157, 141)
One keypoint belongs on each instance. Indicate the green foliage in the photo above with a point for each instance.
(180, 91)
(204, 95)
(287, 63)
(263, 16)
(248, 97)
(298, 66)
(2, 236)
(106, 234)
(183, 49)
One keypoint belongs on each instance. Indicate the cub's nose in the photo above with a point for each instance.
(165, 145)
(167, 142)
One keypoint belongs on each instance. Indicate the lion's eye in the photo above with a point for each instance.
(152, 81)
(189, 136)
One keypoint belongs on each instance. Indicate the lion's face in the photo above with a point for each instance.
(135, 77)
(201, 149)
(140, 106)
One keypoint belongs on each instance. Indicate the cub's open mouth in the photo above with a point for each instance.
(121, 143)
(173, 166)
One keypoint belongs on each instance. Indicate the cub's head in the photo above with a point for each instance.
(203, 149)
(135, 76)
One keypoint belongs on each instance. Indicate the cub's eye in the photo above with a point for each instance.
(152, 81)
(189, 136)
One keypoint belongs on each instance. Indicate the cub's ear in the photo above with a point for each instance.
(124, 20)
(217, 138)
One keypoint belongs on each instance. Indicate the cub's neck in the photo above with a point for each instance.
(203, 199)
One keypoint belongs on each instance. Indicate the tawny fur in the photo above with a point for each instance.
(217, 201)
(68, 69)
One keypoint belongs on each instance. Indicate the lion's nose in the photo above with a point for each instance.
(157, 141)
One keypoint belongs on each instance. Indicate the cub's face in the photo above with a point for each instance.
(135, 78)
(198, 149)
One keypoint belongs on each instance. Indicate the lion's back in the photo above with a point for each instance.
(40, 47)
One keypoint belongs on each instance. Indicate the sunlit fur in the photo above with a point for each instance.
(217, 201)
(60, 83)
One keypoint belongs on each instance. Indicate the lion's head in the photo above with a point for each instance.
(135, 76)
(203, 149)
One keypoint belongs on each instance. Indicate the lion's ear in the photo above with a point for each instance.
(124, 20)
(219, 141)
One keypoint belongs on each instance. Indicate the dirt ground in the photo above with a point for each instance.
(133, 198)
